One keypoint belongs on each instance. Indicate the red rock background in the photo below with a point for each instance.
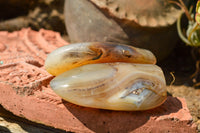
(25, 91)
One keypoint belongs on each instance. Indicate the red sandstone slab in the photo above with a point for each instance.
(25, 91)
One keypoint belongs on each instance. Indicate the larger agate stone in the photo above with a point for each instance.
(107, 76)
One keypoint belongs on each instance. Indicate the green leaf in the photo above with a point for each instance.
(197, 15)
(198, 7)
(197, 18)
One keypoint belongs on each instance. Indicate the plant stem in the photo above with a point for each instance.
(194, 29)
(180, 32)
(186, 11)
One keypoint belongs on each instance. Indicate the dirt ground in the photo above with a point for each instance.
(182, 64)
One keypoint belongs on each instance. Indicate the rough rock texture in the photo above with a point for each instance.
(37, 14)
(25, 91)
(192, 98)
(10, 123)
